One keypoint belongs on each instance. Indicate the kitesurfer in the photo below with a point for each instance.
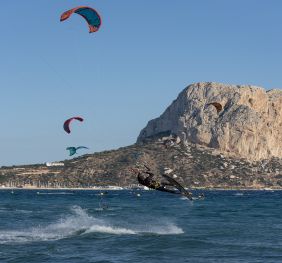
(147, 178)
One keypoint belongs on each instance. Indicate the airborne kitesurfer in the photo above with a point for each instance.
(147, 178)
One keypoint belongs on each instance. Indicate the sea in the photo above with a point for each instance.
(139, 226)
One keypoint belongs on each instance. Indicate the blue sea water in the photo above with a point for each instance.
(85, 226)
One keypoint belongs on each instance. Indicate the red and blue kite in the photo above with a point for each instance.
(89, 14)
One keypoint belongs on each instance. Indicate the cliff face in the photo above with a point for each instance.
(245, 121)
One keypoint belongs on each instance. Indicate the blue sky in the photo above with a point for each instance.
(119, 78)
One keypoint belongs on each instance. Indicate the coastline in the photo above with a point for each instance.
(65, 188)
(113, 188)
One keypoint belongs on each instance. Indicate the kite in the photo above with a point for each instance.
(74, 149)
(89, 14)
(67, 123)
(178, 186)
(217, 105)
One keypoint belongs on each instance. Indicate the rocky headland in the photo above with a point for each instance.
(212, 136)
(245, 121)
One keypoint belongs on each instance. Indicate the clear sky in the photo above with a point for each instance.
(119, 78)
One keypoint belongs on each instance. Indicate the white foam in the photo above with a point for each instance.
(239, 194)
(110, 230)
(55, 193)
(80, 223)
(63, 228)
(169, 229)
(163, 229)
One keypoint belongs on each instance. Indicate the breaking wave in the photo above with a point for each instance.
(80, 223)
(54, 193)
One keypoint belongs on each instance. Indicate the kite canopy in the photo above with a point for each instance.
(89, 14)
(217, 105)
(74, 149)
(68, 121)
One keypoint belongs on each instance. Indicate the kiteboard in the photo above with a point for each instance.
(178, 186)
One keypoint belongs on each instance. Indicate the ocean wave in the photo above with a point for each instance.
(10, 210)
(239, 194)
(110, 230)
(165, 229)
(168, 229)
(23, 211)
(80, 223)
(55, 193)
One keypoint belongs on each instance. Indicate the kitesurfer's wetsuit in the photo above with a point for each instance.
(146, 178)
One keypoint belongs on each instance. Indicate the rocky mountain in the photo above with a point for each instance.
(242, 121)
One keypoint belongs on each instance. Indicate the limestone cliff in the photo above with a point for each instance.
(243, 120)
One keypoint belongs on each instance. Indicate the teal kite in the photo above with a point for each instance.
(74, 149)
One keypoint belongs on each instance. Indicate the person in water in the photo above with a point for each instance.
(147, 178)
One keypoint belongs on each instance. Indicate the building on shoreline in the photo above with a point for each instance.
(51, 164)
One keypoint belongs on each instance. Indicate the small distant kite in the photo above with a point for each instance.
(89, 14)
(74, 149)
(68, 121)
(217, 105)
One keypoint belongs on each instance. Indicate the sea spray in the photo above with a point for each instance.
(79, 222)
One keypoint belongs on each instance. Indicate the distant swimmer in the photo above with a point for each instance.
(103, 205)
(148, 179)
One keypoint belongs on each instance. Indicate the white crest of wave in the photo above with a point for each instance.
(54, 193)
(80, 223)
(110, 230)
(165, 229)
(157, 229)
